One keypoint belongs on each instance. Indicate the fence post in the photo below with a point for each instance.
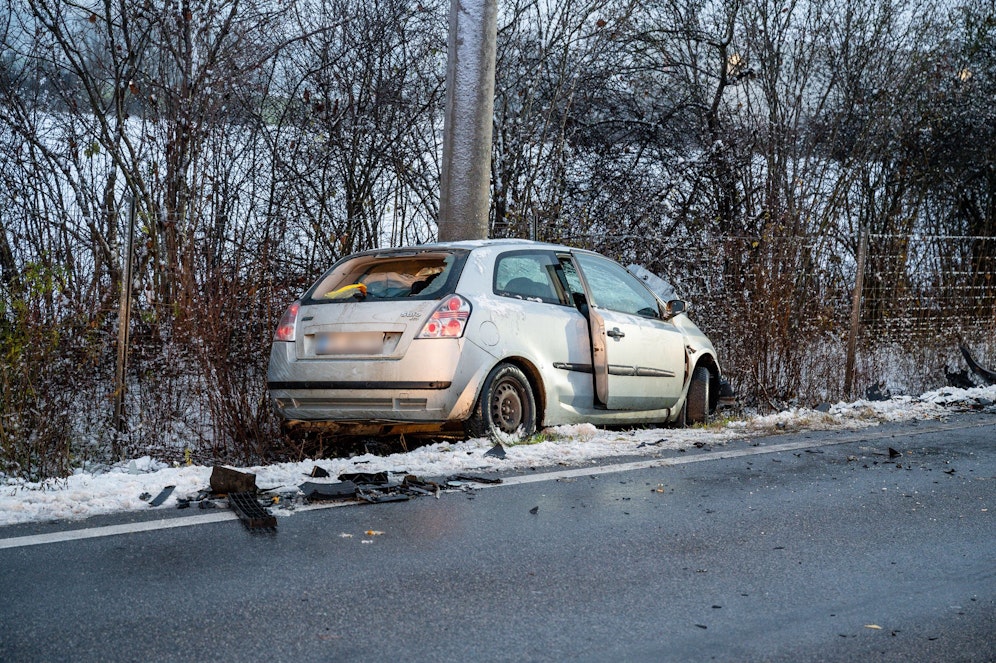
(852, 333)
(124, 323)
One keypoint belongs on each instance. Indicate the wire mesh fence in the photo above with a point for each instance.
(780, 309)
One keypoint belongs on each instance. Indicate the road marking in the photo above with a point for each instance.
(145, 526)
(220, 516)
(861, 436)
(112, 530)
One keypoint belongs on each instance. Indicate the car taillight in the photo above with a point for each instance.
(448, 320)
(288, 324)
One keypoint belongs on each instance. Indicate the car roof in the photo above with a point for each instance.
(471, 244)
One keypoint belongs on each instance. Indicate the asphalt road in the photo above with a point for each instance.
(815, 547)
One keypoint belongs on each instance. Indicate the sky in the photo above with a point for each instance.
(129, 485)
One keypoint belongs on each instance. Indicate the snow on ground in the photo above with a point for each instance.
(128, 486)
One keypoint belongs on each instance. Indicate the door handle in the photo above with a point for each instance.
(615, 333)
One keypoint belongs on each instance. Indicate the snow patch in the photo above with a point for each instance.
(129, 485)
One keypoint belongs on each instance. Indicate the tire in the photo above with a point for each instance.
(682, 419)
(506, 409)
(697, 400)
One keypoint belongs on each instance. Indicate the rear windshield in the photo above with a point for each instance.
(390, 276)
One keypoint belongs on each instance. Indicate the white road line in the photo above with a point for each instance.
(187, 521)
(861, 436)
(146, 526)
(111, 530)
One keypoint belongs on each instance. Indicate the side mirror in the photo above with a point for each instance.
(676, 306)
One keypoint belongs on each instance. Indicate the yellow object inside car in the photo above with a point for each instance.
(347, 291)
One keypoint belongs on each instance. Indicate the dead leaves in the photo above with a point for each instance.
(368, 535)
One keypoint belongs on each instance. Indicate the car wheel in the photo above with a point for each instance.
(697, 400)
(506, 410)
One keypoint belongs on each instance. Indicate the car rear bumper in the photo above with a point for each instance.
(358, 403)
(435, 383)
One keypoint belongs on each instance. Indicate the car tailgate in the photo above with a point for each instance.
(360, 329)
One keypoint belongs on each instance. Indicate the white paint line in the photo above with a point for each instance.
(187, 521)
(862, 436)
(112, 530)
(146, 526)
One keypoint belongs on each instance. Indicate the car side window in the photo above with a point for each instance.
(571, 277)
(527, 275)
(612, 287)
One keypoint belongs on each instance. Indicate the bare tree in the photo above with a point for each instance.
(354, 138)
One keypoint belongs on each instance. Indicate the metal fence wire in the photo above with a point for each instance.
(781, 309)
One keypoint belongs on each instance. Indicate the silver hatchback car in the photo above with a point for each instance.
(487, 338)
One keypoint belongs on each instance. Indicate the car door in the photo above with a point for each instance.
(535, 318)
(638, 358)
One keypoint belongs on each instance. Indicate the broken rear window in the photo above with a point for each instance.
(390, 276)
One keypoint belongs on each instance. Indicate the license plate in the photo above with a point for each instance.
(352, 343)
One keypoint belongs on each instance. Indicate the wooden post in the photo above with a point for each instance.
(852, 333)
(124, 320)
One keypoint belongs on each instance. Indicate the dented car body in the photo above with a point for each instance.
(491, 337)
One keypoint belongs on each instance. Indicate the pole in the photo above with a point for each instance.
(852, 333)
(465, 180)
(124, 320)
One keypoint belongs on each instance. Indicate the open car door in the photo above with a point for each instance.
(638, 358)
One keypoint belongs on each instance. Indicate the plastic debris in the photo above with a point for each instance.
(249, 511)
(375, 496)
(365, 477)
(473, 478)
(314, 492)
(497, 451)
(162, 496)
(374, 488)
(226, 480)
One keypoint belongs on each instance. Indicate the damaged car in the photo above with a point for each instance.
(494, 338)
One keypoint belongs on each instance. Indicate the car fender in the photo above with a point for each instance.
(471, 371)
(698, 354)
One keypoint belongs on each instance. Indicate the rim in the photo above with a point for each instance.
(507, 406)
